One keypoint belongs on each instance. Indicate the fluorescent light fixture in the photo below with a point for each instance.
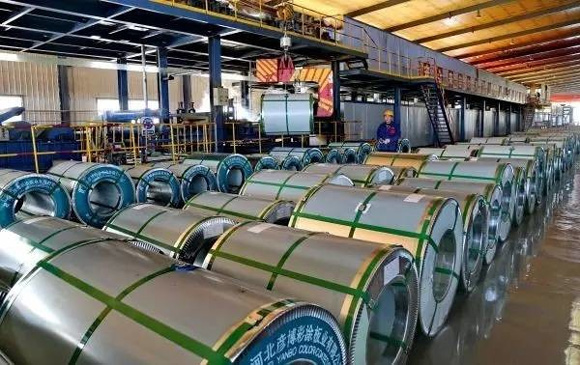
(8, 57)
(139, 68)
(95, 37)
(137, 28)
(103, 65)
(450, 21)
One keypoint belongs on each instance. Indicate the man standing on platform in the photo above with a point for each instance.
(388, 133)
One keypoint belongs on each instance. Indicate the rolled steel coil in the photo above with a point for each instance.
(518, 139)
(448, 153)
(287, 114)
(134, 306)
(490, 191)
(97, 190)
(230, 170)
(404, 146)
(489, 140)
(179, 234)
(25, 194)
(362, 149)
(475, 214)
(413, 160)
(263, 162)
(194, 179)
(241, 208)
(402, 172)
(532, 185)
(4, 360)
(371, 288)
(480, 171)
(44, 235)
(155, 185)
(342, 156)
(430, 228)
(290, 163)
(288, 185)
(561, 160)
(361, 175)
(306, 155)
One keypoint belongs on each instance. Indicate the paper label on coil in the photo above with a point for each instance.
(413, 198)
(213, 231)
(385, 187)
(390, 271)
(34, 220)
(260, 228)
(141, 206)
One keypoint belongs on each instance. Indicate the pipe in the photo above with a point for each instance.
(231, 171)
(24, 194)
(362, 149)
(306, 155)
(361, 175)
(429, 227)
(413, 160)
(194, 179)
(288, 185)
(97, 190)
(136, 306)
(490, 191)
(155, 185)
(475, 214)
(372, 289)
(479, 171)
(241, 208)
(263, 162)
(178, 234)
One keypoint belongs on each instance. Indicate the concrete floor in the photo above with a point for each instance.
(526, 309)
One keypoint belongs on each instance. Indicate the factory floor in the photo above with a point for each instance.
(526, 309)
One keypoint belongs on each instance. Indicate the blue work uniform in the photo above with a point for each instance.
(391, 132)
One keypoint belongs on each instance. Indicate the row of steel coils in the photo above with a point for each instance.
(354, 254)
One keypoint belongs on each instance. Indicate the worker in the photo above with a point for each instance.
(388, 133)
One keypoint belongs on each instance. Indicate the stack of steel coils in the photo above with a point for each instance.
(290, 156)
(263, 162)
(361, 149)
(231, 170)
(155, 185)
(361, 175)
(398, 159)
(97, 190)
(194, 179)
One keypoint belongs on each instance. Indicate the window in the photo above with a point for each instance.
(109, 105)
(7, 102)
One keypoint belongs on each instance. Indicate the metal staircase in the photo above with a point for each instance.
(529, 113)
(434, 98)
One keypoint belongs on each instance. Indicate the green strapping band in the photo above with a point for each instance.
(194, 346)
(221, 209)
(439, 182)
(444, 271)
(418, 254)
(144, 238)
(449, 177)
(389, 340)
(286, 256)
(360, 212)
(222, 240)
(224, 211)
(93, 327)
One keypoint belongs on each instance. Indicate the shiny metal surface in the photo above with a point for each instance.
(306, 155)
(288, 185)
(194, 179)
(241, 208)
(322, 269)
(361, 175)
(287, 114)
(489, 140)
(155, 185)
(132, 306)
(179, 234)
(490, 191)
(362, 149)
(526, 308)
(413, 160)
(429, 227)
(231, 170)
(450, 152)
(263, 162)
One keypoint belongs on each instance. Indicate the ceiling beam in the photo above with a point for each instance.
(17, 15)
(523, 65)
(511, 35)
(540, 56)
(449, 14)
(546, 70)
(497, 23)
(538, 67)
(563, 78)
(547, 76)
(376, 7)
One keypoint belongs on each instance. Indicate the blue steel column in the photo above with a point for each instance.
(163, 83)
(508, 120)
(215, 80)
(123, 85)
(462, 119)
(482, 124)
(186, 89)
(397, 108)
(64, 94)
(335, 90)
(496, 121)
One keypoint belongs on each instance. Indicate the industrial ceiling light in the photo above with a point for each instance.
(478, 13)
(450, 21)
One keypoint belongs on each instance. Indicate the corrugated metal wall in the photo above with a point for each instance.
(36, 83)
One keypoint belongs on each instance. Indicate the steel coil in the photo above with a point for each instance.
(475, 214)
(361, 175)
(430, 228)
(194, 179)
(402, 172)
(288, 185)
(404, 146)
(288, 114)
(290, 163)
(134, 306)
(306, 155)
(342, 156)
(561, 160)
(398, 159)
(97, 190)
(451, 152)
(24, 194)
(241, 208)
(490, 191)
(263, 162)
(44, 236)
(230, 170)
(362, 149)
(489, 140)
(155, 185)
(372, 289)
(518, 139)
(480, 171)
(179, 234)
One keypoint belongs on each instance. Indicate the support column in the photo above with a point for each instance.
(245, 93)
(123, 85)
(496, 121)
(163, 83)
(186, 89)
(482, 125)
(335, 65)
(508, 120)
(462, 113)
(397, 107)
(64, 94)
(215, 80)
